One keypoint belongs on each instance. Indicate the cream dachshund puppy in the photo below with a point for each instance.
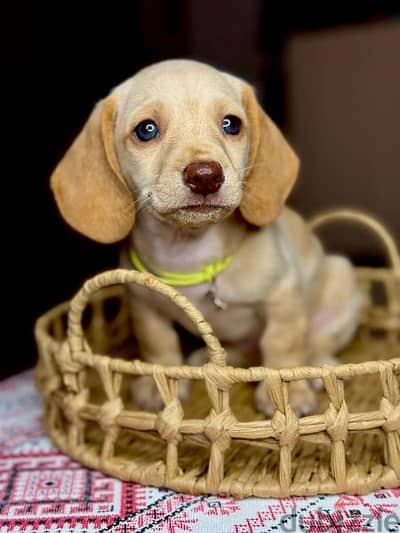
(189, 149)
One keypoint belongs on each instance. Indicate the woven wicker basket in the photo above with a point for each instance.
(217, 442)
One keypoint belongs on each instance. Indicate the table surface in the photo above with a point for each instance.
(43, 490)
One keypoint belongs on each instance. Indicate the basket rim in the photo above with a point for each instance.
(236, 374)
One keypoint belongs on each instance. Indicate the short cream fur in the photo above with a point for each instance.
(286, 299)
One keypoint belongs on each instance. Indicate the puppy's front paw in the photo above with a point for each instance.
(317, 384)
(301, 397)
(184, 387)
(262, 399)
(145, 394)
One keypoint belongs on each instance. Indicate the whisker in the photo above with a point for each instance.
(139, 201)
(250, 166)
(145, 204)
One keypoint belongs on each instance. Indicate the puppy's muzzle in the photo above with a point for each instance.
(205, 177)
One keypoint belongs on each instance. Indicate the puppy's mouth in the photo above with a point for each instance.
(195, 215)
(202, 208)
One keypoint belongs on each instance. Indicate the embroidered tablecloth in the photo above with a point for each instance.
(42, 490)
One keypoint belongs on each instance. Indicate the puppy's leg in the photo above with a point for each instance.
(159, 344)
(235, 357)
(335, 313)
(283, 344)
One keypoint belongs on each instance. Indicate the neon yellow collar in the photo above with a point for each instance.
(183, 279)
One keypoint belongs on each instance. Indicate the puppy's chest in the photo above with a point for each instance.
(235, 322)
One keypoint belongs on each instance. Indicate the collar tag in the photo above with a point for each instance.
(219, 304)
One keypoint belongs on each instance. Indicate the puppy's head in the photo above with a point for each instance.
(182, 140)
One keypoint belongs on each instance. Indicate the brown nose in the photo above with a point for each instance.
(203, 177)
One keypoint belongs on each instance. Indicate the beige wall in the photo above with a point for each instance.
(344, 118)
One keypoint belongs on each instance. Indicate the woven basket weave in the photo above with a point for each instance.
(217, 442)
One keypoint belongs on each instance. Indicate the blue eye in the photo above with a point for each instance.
(231, 125)
(146, 130)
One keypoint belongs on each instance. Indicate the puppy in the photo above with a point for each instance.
(189, 149)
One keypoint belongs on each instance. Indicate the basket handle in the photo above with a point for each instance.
(365, 219)
(78, 303)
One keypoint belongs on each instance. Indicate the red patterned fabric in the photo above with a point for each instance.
(42, 490)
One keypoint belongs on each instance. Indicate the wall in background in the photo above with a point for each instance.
(344, 115)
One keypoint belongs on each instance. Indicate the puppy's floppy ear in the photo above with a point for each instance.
(87, 183)
(273, 166)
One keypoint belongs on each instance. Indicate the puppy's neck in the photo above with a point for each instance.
(162, 246)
